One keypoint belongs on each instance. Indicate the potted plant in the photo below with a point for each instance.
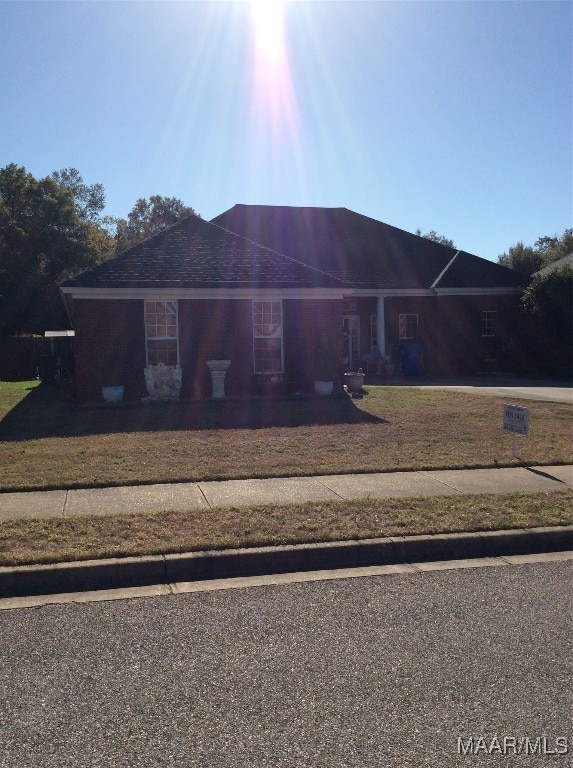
(324, 376)
(113, 394)
(354, 380)
(324, 386)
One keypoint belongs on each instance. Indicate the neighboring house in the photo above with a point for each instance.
(556, 266)
(288, 295)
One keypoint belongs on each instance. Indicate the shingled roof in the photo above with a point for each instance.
(256, 246)
(364, 252)
(194, 253)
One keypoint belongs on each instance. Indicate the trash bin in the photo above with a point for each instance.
(47, 369)
(412, 360)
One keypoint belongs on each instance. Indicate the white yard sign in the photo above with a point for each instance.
(515, 420)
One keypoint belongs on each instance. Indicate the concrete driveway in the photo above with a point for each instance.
(518, 390)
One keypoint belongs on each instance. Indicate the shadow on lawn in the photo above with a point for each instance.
(42, 413)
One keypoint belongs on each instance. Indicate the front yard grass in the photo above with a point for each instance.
(53, 540)
(48, 443)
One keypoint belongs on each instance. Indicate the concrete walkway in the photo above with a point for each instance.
(177, 573)
(205, 495)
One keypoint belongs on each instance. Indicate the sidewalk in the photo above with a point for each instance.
(205, 495)
(169, 571)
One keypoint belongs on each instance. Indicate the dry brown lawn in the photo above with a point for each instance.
(47, 443)
(28, 541)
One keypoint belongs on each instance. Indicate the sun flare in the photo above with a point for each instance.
(268, 23)
(274, 98)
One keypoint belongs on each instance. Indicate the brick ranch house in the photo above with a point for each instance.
(288, 295)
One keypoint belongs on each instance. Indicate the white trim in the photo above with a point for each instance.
(477, 291)
(445, 269)
(389, 292)
(268, 294)
(167, 294)
(384, 293)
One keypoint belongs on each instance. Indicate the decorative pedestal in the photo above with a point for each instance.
(163, 382)
(218, 370)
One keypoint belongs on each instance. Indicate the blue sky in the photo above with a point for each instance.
(451, 115)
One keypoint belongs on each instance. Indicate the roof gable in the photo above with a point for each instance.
(194, 253)
(468, 271)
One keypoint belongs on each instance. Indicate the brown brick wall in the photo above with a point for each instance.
(313, 341)
(109, 346)
(110, 340)
(211, 329)
(450, 332)
(215, 330)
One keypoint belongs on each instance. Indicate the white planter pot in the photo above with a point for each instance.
(112, 395)
(323, 388)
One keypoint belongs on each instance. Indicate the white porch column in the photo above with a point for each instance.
(380, 328)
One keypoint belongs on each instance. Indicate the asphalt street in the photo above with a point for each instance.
(356, 673)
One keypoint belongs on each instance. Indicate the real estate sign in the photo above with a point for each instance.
(515, 419)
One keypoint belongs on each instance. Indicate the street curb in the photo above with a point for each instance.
(89, 575)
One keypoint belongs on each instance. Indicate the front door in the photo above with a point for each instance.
(351, 335)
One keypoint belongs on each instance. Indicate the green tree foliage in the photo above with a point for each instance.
(529, 259)
(555, 248)
(433, 235)
(89, 200)
(148, 217)
(547, 301)
(522, 258)
(551, 294)
(49, 231)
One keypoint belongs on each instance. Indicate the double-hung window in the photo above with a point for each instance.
(268, 336)
(488, 324)
(161, 332)
(408, 326)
